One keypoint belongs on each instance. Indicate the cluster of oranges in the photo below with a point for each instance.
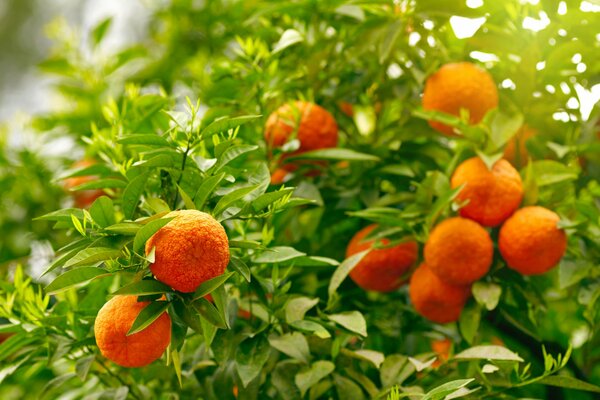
(190, 249)
(459, 250)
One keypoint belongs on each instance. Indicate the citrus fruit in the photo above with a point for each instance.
(460, 85)
(459, 251)
(492, 195)
(190, 249)
(435, 299)
(82, 198)
(381, 270)
(531, 242)
(113, 322)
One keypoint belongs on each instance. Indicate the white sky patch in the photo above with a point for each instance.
(431, 41)
(483, 57)
(581, 67)
(561, 116)
(508, 84)
(427, 24)
(562, 32)
(413, 38)
(465, 27)
(550, 89)
(536, 25)
(532, 2)
(572, 103)
(565, 88)
(540, 66)
(562, 8)
(586, 6)
(576, 59)
(474, 3)
(587, 99)
(394, 71)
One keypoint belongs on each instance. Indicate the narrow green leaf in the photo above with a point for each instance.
(239, 266)
(230, 198)
(92, 255)
(335, 154)
(147, 231)
(148, 315)
(232, 153)
(569, 382)
(144, 287)
(124, 228)
(208, 286)
(74, 277)
(311, 375)
(266, 199)
(207, 188)
(488, 353)
(187, 200)
(354, 321)
(225, 124)
(343, 270)
(277, 255)
(132, 193)
(297, 307)
(108, 183)
(147, 139)
(100, 31)
(287, 39)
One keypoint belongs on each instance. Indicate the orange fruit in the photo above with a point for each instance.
(278, 176)
(113, 322)
(441, 348)
(435, 299)
(515, 151)
(347, 108)
(459, 251)
(190, 249)
(82, 198)
(492, 195)
(381, 270)
(313, 126)
(460, 85)
(531, 242)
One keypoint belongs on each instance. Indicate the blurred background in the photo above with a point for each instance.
(24, 43)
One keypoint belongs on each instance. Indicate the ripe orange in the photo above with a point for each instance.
(381, 270)
(347, 108)
(113, 322)
(278, 176)
(435, 299)
(441, 348)
(311, 124)
(516, 149)
(493, 195)
(530, 241)
(459, 251)
(190, 249)
(82, 198)
(460, 85)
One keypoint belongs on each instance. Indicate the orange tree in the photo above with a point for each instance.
(303, 199)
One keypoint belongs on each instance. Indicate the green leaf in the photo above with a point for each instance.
(102, 211)
(224, 124)
(208, 286)
(108, 183)
(311, 375)
(210, 312)
(395, 369)
(503, 127)
(266, 199)
(334, 154)
(547, 172)
(232, 153)
(148, 315)
(421, 365)
(296, 308)
(250, 357)
(292, 344)
(83, 366)
(74, 277)
(147, 231)
(92, 255)
(124, 228)
(468, 323)
(392, 33)
(351, 320)
(311, 327)
(15, 343)
(100, 31)
(165, 160)
(187, 200)
(207, 187)
(343, 270)
(487, 294)
(144, 287)
(132, 193)
(277, 255)
(488, 353)
(352, 11)
(230, 198)
(63, 215)
(374, 357)
(245, 244)
(239, 266)
(569, 382)
(347, 389)
(289, 38)
(447, 388)
(147, 139)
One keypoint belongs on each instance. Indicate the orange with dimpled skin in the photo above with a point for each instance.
(435, 299)
(492, 194)
(459, 251)
(531, 242)
(190, 249)
(460, 85)
(113, 322)
(383, 269)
